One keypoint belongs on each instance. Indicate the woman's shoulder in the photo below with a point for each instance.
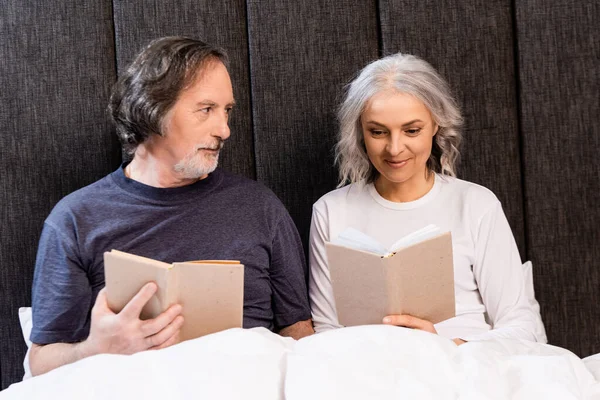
(341, 197)
(471, 193)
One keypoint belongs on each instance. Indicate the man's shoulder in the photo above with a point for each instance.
(82, 198)
(248, 188)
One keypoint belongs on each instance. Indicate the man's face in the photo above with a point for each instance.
(196, 126)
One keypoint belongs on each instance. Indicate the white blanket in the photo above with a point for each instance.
(369, 362)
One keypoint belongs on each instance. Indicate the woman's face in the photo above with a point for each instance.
(398, 131)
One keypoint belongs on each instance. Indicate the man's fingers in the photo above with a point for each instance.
(169, 342)
(160, 339)
(101, 298)
(155, 325)
(101, 305)
(134, 308)
(410, 322)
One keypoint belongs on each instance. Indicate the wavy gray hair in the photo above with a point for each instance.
(406, 74)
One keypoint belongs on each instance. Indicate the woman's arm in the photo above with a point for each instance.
(320, 291)
(499, 274)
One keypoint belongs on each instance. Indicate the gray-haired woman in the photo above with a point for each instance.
(397, 148)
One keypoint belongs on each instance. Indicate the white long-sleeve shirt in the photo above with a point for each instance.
(488, 275)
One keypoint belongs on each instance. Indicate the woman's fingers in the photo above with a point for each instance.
(409, 321)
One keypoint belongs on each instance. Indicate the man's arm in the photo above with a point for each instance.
(298, 330)
(44, 358)
(122, 333)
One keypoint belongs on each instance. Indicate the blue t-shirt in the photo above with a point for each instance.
(223, 216)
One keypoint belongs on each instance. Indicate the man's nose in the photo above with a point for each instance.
(222, 128)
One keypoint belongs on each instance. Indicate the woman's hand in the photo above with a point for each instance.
(408, 321)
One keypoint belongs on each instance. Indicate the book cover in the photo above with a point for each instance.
(415, 279)
(211, 292)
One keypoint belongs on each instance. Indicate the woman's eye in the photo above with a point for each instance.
(229, 110)
(413, 131)
(376, 132)
(205, 110)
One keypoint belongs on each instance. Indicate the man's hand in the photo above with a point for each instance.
(125, 332)
(122, 333)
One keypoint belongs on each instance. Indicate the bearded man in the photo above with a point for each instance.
(171, 203)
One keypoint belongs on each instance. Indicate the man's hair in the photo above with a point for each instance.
(151, 84)
(402, 73)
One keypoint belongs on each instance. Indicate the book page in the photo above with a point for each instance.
(355, 239)
(418, 236)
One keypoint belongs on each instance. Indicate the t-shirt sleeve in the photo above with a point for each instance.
(500, 280)
(61, 295)
(322, 302)
(287, 274)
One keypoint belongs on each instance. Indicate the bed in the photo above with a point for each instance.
(376, 362)
(525, 75)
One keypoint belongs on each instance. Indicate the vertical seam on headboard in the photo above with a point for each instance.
(379, 32)
(519, 124)
(114, 32)
(251, 91)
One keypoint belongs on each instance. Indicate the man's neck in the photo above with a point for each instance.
(152, 171)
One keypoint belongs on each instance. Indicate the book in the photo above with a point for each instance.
(211, 292)
(414, 276)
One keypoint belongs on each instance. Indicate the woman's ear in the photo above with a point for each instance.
(436, 128)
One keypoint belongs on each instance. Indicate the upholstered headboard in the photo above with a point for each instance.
(525, 72)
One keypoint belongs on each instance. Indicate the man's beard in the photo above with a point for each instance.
(198, 163)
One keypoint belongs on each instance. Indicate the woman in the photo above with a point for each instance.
(398, 148)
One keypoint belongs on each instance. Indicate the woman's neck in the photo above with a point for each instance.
(404, 192)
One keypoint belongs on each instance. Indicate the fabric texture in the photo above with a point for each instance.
(26, 325)
(56, 70)
(221, 217)
(559, 79)
(470, 43)
(301, 55)
(489, 284)
(525, 74)
(380, 362)
(221, 23)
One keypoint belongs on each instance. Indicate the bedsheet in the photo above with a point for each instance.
(381, 362)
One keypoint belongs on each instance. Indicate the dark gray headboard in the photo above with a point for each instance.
(525, 72)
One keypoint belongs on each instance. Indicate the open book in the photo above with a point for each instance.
(414, 276)
(210, 292)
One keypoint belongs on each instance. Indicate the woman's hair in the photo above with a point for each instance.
(151, 84)
(403, 73)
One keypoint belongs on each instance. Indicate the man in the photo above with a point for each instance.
(171, 203)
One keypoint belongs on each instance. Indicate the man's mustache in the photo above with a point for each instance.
(218, 145)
